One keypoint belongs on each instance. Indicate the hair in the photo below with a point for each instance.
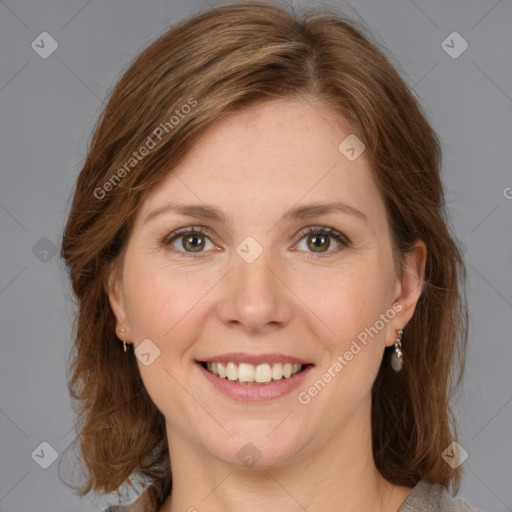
(212, 64)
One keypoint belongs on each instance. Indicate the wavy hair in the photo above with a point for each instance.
(211, 64)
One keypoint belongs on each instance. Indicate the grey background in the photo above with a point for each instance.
(48, 108)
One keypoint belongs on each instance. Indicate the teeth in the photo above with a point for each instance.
(231, 371)
(263, 373)
(277, 371)
(245, 373)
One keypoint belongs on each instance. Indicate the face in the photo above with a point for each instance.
(260, 286)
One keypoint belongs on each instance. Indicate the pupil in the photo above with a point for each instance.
(191, 240)
(323, 239)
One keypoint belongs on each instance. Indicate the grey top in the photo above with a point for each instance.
(433, 498)
(423, 498)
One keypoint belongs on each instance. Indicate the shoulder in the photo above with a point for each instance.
(142, 504)
(434, 498)
(150, 499)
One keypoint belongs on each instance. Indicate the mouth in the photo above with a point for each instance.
(254, 374)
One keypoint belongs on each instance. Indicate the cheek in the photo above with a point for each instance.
(350, 299)
(155, 301)
(354, 344)
(160, 308)
(165, 303)
(351, 303)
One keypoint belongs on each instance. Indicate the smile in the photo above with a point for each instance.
(250, 374)
(250, 378)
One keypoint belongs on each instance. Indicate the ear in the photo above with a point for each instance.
(116, 296)
(409, 289)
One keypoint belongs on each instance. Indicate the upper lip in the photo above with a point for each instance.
(241, 357)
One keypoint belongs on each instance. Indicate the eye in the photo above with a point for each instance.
(318, 239)
(193, 240)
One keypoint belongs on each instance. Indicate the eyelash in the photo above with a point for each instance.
(311, 230)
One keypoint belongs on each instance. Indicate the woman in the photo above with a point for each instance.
(271, 306)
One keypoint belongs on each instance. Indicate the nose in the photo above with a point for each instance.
(254, 297)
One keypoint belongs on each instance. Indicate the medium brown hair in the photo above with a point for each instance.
(217, 62)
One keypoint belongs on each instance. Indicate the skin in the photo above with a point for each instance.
(254, 165)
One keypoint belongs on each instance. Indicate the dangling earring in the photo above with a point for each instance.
(397, 359)
(124, 342)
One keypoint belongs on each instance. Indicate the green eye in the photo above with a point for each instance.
(195, 239)
(318, 239)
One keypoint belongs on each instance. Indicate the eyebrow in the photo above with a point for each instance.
(210, 212)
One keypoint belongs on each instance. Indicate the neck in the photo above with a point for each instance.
(341, 476)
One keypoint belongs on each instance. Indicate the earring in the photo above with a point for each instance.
(124, 342)
(397, 358)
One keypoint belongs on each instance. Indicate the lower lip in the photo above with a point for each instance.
(258, 392)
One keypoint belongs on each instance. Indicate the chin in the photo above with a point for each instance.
(258, 445)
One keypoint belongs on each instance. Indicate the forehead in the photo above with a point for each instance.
(268, 157)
